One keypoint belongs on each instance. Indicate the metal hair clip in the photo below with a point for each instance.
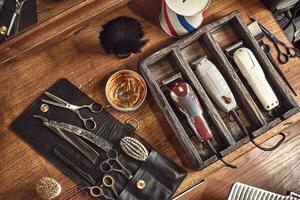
(134, 149)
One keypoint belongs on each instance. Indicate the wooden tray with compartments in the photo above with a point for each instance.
(211, 41)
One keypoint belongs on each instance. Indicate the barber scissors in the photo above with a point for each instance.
(89, 123)
(94, 191)
(283, 56)
(15, 20)
(107, 165)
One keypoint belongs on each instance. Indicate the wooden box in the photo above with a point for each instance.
(211, 41)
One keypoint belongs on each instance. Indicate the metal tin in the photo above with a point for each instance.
(126, 90)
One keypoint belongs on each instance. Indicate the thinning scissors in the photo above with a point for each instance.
(15, 20)
(89, 122)
(107, 165)
(283, 56)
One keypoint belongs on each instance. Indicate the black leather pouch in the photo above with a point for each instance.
(160, 176)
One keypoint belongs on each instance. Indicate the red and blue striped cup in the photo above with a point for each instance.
(177, 25)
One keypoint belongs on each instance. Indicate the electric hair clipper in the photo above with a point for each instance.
(218, 89)
(188, 104)
(252, 71)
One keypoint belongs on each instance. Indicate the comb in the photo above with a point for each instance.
(240, 191)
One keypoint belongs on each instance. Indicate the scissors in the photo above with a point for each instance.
(15, 20)
(95, 191)
(283, 57)
(107, 165)
(109, 182)
(89, 123)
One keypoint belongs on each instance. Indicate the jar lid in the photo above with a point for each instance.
(188, 7)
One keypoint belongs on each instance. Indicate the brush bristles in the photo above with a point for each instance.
(254, 29)
(122, 36)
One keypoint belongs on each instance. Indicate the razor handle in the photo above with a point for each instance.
(188, 104)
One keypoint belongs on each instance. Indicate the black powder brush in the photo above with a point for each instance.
(122, 36)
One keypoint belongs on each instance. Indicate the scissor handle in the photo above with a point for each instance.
(96, 107)
(108, 181)
(105, 167)
(292, 51)
(96, 191)
(282, 57)
(112, 154)
(89, 123)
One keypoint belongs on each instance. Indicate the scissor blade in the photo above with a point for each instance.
(18, 11)
(54, 103)
(17, 24)
(12, 22)
(55, 98)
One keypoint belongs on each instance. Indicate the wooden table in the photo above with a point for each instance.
(78, 58)
(48, 9)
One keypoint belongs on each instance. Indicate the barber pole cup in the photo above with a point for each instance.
(180, 17)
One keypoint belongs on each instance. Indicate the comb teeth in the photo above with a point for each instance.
(255, 29)
(241, 191)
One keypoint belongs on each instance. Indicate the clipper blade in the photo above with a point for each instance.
(231, 49)
(172, 79)
(196, 62)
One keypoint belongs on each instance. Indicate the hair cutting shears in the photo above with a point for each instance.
(15, 20)
(108, 165)
(283, 55)
(89, 122)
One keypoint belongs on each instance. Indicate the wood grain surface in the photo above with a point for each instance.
(276, 172)
(56, 29)
(78, 57)
(50, 8)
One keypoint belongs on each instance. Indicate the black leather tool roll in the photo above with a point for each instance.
(161, 176)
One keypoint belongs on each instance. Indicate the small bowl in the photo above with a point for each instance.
(126, 90)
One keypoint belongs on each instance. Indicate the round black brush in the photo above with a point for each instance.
(122, 36)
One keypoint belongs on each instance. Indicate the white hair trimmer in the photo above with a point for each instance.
(252, 71)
